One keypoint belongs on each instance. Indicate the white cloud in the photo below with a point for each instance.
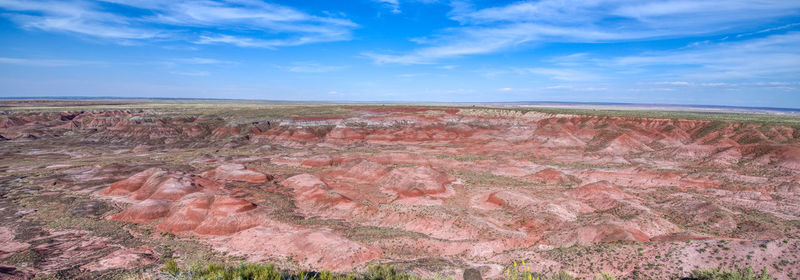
(673, 83)
(411, 75)
(78, 17)
(45, 62)
(705, 15)
(762, 64)
(574, 88)
(770, 57)
(244, 23)
(524, 23)
(309, 67)
(203, 60)
(254, 15)
(772, 29)
(562, 74)
(715, 84)
(394, 5)
(192, 73)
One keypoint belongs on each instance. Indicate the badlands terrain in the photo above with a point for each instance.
(93, 189)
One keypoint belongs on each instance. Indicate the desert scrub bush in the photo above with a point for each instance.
(604, 276)
(170, 267)
(250, 271)
(216, 271)
(521, 271)
(724, 274)
(387, 272)
(137, 276)
(562, 275)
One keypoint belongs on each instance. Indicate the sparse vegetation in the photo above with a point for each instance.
(252, 271)
(49, 186)
(724, 274)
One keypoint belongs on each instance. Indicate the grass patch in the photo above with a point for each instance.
(666, 114)
(371, 233)
(487, 179)
(255, 110)
(253, 271)
(724, 274)
(463, 158)
(711, 127)
(30, 258)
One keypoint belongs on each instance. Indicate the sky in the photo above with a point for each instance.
(694, 52)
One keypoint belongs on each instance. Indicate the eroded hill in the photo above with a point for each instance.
(93, 192)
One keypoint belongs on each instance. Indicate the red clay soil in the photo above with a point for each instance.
(471, 187)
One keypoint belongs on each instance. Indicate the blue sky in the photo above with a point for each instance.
(718, 52)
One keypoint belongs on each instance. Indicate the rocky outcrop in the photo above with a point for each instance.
(237, 172)
(182, 202)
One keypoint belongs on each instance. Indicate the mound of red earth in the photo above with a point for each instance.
(550, 176)
(789, 158)
(608, 233)
(237, 172)
(186, 202)
(320, 248)
(600, 195)
(419, 181)
(210, 215)
(155, 192)
(315, 195)
(199, 204)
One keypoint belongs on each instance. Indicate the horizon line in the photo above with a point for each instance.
(539, 102)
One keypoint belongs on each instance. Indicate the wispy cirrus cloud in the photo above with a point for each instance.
(562, 74)
(394, 5)
(310, 67)
(46, 62)
(203, 60)
(243, 23)
(771, 57)
(249, 42)
(769, 64)
(78, 17)
(494, 29)
(192, 73)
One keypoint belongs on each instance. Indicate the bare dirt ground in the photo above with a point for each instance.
(103, 190)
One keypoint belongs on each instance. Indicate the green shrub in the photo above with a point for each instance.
(562, 275)
(251, 271)
(724, 274)
(170, 267)
(604, 276)
(387, 272)
(242, 271)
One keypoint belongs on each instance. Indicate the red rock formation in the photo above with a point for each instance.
(549, 176)
(131, 184)
(468, 186)
(237, 172)
(600, 195)
(144, 212)
(416, 182)
(789, 158)
(188, 203)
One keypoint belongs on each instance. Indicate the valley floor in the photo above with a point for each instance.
(99, 191)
